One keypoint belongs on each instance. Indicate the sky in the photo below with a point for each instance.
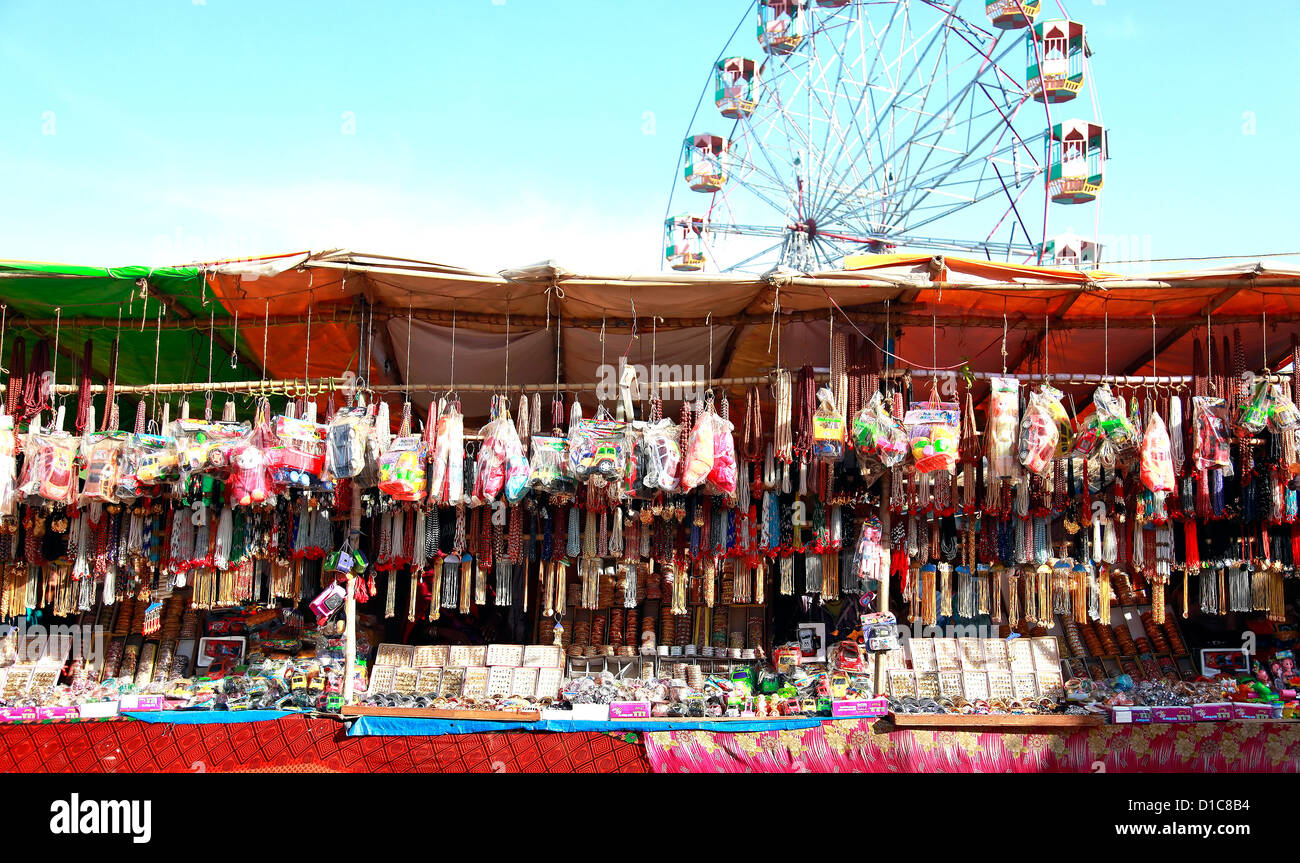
(497, 133)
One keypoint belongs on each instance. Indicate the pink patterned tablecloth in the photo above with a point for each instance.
(873, 746)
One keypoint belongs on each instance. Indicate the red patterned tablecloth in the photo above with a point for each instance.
(870, 747)
(299, 744)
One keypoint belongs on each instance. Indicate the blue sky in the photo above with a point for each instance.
(494, 134)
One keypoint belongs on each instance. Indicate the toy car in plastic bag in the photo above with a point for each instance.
(596, 448)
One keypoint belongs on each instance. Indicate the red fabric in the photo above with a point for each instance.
(864, 746)
(296, 744)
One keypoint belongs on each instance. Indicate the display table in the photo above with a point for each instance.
(234, 742)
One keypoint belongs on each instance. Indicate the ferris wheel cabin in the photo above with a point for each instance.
(733, 81)
(782, 25)
(1069, 250)
(1055, 60)
(706, 162)
(1076, 162)
(684, 243)
(1012, 14)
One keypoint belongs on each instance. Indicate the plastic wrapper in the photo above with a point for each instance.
(871, 556)
(699, 452)
(878, 435)
(1252, 415)
(662, 442)
(1282, 415)
(447, 484)
(206, 446)
(548, 468)
(345, 439)
(1157, 462)
(636, 465)
(1003, 424)
(1087, 440)
(722, 476)
(502, 468)
(8, 467)
(298, 457)
(828, 428)
(102, 454)
(596, 448)
(1039, 433)
(401, 469)
(1210, 440)
(147, 460)
(248, 479)
(932, 435)
(1112, 424)
(49, 467)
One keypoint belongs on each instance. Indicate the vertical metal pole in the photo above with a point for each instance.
(882, 599)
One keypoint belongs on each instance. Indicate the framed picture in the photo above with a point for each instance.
(812, 642)
(1219, 660)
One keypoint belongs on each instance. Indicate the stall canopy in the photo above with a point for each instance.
(397, 323)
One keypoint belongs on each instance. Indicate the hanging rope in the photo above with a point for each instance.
(110, 386)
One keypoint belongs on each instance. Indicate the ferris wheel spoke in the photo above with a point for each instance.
(831, 211)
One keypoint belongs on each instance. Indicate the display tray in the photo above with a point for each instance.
(1029, 721)
(430, 713)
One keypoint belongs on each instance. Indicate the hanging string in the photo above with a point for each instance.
(1004, 335)
(1153, 340)
(211, 334)
(4, 315)
(266, 328)
(54, 372)
(507, 382)
(234, 343)
(1106, 338)
(1263, 308)
(306, 359)
(408, 351)
(452, 383)
(157, 351)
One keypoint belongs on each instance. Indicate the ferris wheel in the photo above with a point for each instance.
(840, 127)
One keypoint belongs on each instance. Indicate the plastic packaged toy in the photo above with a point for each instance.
(147, 460)
(596, 448)
(699, 452)
(248, 483)
(345, 451)
(102, 455)
(1112, 424)
(49, 467)
(1283, 415)
(401, 469)
(298, 459)
(1003, 423)
(549, 465)
(502, 467)
(448, 481)
(662, 442)
(1157, 464)
(722, 476)
(828, 428)
(1253, 413)
(1210, 434)
(206, 446)
(878, 435)
(1039, 433)
(8, 466)
(932, 434)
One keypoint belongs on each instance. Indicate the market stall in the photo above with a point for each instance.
(912, 498)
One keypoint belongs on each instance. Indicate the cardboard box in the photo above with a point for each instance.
(57, 714)
(99, 710)
(141, 702)
(1216, 712)
(1176, 713)
(1251, 710)
(591, 712)
(859, 708)
(629, 710)
(18, 714)
(1130, 715)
